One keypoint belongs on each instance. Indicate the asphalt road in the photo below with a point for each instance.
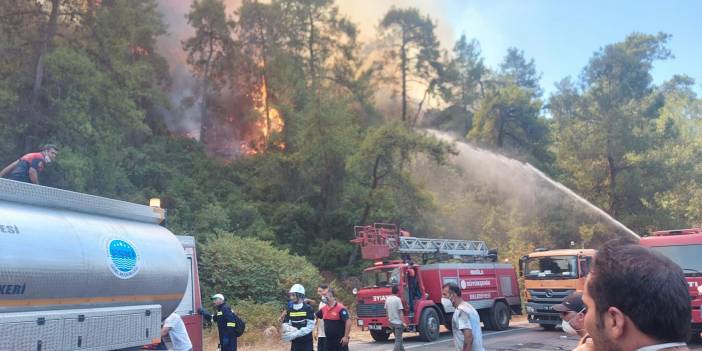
(519, 337)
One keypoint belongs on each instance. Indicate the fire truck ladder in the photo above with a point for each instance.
(456, 248)
(381, 240)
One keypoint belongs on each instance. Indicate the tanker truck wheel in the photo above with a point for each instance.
(429, 325)
(498, 317)
(380, 335)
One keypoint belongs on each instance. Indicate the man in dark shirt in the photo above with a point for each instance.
(28, 167)
(337, 324)
(226, 323)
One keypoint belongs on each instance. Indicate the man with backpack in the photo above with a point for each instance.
(229, 325)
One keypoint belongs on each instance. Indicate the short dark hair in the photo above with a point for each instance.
(395, 289)
(49, 147)
(646, 286)
(324, 286)
(452, 288)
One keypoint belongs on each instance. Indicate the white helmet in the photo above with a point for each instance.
(297, 288)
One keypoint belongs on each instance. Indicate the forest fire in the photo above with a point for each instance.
(267, 125)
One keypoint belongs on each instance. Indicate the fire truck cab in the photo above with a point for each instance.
(550, 276)
(684, 247)
(491, 287)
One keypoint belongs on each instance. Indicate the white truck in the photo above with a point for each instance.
(82, 272)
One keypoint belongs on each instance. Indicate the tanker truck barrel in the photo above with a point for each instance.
(63, 250)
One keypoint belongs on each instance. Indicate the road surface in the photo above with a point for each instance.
(520, 336)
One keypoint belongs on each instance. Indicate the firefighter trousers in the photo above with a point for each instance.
(301, 345)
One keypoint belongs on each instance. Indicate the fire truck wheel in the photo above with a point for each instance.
(429, 325)
(380, 335)
(498, 317)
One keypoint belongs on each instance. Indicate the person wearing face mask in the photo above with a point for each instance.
(465, 325)
(28, 167)
(572, 311)
(300, 319)
(322, 291)
(637, 300)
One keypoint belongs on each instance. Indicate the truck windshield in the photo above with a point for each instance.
(564, 267)
(687, 257)
(381, 277)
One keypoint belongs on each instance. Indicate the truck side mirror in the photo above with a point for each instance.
(522, 265)
(585, 266)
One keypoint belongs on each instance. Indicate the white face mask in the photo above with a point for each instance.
(47, 158)
(568, 328)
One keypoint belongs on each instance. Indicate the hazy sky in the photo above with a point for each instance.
(561, 35)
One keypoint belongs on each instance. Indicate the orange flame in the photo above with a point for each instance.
(269, 123)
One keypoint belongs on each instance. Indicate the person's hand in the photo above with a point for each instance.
(345, 340)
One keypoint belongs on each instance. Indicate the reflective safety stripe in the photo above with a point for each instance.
(93, 300)
(298, 314)
(219, 313)
(231, 324)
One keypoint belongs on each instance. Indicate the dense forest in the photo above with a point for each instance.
(303, 130)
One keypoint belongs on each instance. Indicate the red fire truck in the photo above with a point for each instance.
(490, 287)
(684, 247)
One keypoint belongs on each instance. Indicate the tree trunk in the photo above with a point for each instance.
(612, 169)
(205, 121)
(369, 204)
(44, 49)
(310, 46)
(403, 69)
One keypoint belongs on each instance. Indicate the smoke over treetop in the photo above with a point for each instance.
(185, 90)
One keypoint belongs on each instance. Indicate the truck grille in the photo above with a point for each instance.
(370, 310)
(549, 295)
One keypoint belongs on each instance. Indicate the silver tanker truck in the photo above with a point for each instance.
(81, 272)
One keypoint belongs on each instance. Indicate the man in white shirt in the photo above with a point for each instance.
(393, 305)
(465, 324)
(322, 291)
(174, 327)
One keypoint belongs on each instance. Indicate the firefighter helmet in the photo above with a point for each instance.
(297, 288)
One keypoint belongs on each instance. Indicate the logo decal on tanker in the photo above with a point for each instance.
(124, 259)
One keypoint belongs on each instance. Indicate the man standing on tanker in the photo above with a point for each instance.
(28, 167)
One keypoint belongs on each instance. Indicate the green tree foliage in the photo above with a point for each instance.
(509, 117)
(519, 71)
(462, 87)
(247, 268)
(88, 75)
(209, 53)
(414, 50)
(605, 130)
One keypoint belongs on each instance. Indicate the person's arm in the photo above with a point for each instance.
(11, 167)
(206, 315)
(309, 326)
(164, 330)
(344, 314)
(467, 340)
(33, 175)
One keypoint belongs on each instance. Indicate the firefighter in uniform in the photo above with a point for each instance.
(28, 167)
(337, 323)
(226, 322)
(298, 320)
